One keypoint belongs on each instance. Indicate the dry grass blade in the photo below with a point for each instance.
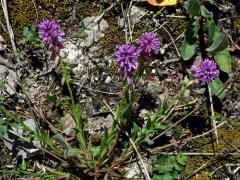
(9, 27)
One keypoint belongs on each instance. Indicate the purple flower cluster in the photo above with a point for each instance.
(148, 44)
(206, 72)
(126, 59)
(126, 55)
(49, 32)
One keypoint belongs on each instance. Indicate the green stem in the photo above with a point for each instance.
(70, 93)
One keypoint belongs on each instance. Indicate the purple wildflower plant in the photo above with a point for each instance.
(206, 72)
(49, 32)
(148, 44)
(125, 57)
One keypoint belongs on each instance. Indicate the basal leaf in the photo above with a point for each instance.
(220, 43)
(211, 30)
(216, 87)
(205, 13)
(193, 7)
(189, 44)
(187, 50)
(223, 59)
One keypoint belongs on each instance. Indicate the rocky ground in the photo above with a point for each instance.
(93, 29)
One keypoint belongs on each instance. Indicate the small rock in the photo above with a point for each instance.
(95, 29)
(31, 123)
(162, 51)
(68, 125)
(135, 169)
(1, 39)
(99, 122)
(121, 22)
(108, 80)
(2, 46)
(153, 71)
(136, 13)
(62, 53)
(96, 78)
(10, 79)
(72, 52)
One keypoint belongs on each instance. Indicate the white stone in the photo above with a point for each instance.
(108, 80)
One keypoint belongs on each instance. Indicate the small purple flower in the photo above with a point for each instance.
(49, 32)
(148, 44)
(206, 72)
(125, 57)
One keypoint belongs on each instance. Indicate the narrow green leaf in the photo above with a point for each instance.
(134, 132)
(216, 87)
(220, 43)
(24, 165)
(223, 59)
(77, 115)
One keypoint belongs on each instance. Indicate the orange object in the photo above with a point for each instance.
(162, 2)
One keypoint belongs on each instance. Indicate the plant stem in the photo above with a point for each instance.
(213, 114)
(70, 93)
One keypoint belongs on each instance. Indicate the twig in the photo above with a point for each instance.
(147, 177)
(197, 153)
(125, 24)
(134, 23)
(3, 27)
(226, 165)
(222, 153)
(99, 91)
(9, 28)
(175, 124)
(129, 22)
(35, 7)
(157, 149)
(174, 44)
(202, 167)
(231, 145)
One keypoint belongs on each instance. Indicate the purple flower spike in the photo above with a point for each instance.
(206, 72)
(125, 58)
(148, 44)
(49, 32)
